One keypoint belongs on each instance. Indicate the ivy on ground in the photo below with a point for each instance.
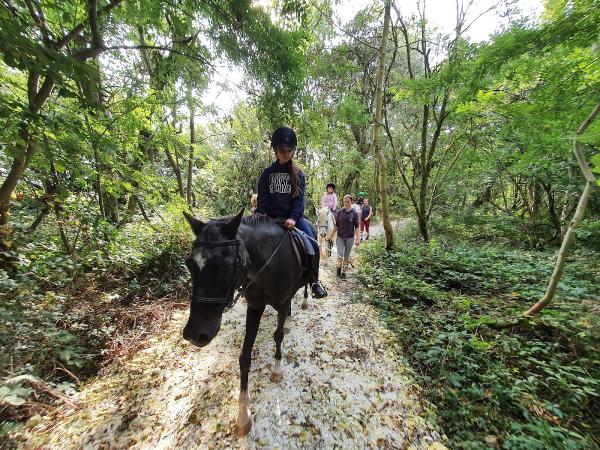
(496, 381)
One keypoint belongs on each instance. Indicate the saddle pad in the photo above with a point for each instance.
(306, 245)
(298, 253)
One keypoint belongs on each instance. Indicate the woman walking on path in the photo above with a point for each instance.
(348, 233)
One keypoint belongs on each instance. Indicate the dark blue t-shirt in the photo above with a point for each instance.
(275, 193)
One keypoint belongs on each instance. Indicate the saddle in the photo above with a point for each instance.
(304, 241)
(303, 249)
(301, 245)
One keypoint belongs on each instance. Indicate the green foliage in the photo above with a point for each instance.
(60, 309)
(522, 383)
(95, 237)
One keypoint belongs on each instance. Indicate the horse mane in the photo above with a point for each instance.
(257, 219)
(253, 219)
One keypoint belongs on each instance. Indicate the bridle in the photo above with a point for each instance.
(323, 227)
(239, 268)
(326, 226)
(238, 276)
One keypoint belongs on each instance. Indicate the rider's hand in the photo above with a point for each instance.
(357, 242)
(289, 223)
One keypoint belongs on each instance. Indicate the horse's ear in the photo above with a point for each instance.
(232, 226)
(196, 224)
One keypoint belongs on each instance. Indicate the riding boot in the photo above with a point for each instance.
(318, 290)
(338, 270)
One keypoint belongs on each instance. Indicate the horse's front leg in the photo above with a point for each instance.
(288, 321)
(323, 249)
(282, 315)
(243, 424)
(304, 304)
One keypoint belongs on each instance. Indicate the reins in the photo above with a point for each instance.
(229, 300)
(244, 289)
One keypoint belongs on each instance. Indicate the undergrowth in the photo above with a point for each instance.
(63, 318)
(497, 381)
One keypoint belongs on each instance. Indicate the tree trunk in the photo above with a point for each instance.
(552, 210)
(570, 235)
(485, 196)
(192, 143)
(132, 205)
(383, 186)
(176, 171)
(110, 202)
(536, 197)
(375, 200)
(349, 182)
(10, 183)
(422, 220)
(41, 216)
(26, 144)
(60, 220)
(98, 183)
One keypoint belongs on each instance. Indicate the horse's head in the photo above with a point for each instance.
(217, 265)
(323, 221)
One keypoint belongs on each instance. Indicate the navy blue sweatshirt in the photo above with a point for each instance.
(275, 193)
(346, 222)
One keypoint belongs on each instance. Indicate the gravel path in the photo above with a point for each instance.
(344, 387)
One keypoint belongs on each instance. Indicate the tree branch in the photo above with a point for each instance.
(39, 19)
(570, 234)
(93, 17)
(93, 51)
(62, 42)
(406, 43)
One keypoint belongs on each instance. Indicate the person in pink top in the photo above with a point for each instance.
(329, 199)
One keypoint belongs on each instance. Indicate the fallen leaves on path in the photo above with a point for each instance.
(344, 386)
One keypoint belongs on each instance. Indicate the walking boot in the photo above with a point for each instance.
(317, 289)
(338, 271)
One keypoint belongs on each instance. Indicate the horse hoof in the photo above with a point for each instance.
(243, 430)
(304, 305)
(286, 330)
(276, 377)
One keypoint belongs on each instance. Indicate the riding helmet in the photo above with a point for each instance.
(284, 136)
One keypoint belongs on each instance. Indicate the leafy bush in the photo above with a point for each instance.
(59, 313)
(496, 381)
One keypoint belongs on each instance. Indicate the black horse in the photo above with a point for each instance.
(253, 254)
